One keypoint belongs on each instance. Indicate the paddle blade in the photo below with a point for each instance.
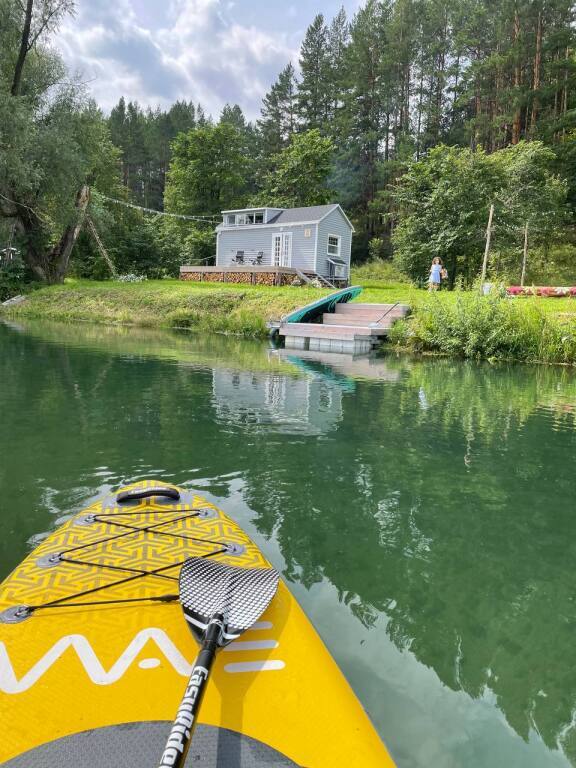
(239, 595)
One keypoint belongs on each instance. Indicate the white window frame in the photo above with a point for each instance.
(337, 254)
(243, 219)
(284, 250)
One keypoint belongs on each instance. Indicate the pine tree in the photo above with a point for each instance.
(119, 133)
(182, 117)
(367, 98)
(135, 154)
(233, 115)
(338, 40)
(314, 87)
(278, 121)
(201, 120)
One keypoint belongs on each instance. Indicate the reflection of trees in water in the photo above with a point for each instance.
(444, 501)
(467, 549)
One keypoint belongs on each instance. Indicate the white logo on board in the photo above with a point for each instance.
(10, 683)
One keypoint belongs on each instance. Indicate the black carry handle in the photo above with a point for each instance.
(144, 493)
(180, 738)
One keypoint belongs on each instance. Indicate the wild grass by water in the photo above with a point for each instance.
(489, 327)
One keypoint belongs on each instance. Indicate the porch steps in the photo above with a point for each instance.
(350, 328)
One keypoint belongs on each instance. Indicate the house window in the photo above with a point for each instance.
(239, 219)
(333, 245)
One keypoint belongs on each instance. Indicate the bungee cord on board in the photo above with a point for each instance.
(68, 601)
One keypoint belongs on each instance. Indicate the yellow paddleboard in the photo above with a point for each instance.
(95, 653)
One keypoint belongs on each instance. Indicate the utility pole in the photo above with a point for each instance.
(525, 256)
(487, 248)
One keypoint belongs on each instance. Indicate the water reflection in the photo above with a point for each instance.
(432, 501)
(275, 402)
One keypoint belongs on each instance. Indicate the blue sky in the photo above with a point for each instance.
(212, 51)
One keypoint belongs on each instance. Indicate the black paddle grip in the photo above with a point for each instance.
(178, 743)
(143, 493)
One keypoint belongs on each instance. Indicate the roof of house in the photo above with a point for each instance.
(294, 215)
(311, 214)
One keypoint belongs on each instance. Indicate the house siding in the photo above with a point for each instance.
(334, 224)
(253, 239)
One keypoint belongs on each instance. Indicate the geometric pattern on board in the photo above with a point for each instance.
(105, 542)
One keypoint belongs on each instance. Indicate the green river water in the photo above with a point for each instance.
(422, 512)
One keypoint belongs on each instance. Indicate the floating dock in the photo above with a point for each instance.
(346, 327)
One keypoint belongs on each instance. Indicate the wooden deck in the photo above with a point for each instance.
(350, 328)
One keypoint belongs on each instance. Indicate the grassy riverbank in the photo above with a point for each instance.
(227, 308)
(455, 323)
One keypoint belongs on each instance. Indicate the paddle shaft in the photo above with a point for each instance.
(180, 738)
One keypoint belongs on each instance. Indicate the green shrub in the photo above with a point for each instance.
(376, 249)
(490, 327)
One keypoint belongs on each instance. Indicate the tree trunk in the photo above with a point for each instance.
(60, 254)
(536, 79)
(419, 118)
(556, 89)
(406, 106)
(564, 106)
(24, 48)
(455, 96)
(517, 77)
(29, 226)
(50, 266)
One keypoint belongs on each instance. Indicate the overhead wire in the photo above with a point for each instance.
(203, 219)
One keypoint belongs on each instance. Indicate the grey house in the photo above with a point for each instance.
(316, 239)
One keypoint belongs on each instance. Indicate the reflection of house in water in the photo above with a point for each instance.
(308, 405)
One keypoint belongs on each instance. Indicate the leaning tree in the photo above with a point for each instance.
(54, 142)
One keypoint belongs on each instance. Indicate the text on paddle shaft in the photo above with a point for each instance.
(180, 734)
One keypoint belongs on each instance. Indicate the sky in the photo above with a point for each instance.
(208, 51)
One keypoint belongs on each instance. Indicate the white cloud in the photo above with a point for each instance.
(211, 51)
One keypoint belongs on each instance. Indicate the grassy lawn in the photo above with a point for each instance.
(385, 293)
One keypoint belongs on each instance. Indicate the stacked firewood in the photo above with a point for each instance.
(238, 277)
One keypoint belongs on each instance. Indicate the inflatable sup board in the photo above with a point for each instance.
(95, 652)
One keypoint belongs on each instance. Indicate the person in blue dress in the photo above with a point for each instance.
(435, 274)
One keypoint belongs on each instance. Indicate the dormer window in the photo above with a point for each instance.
(242, 218)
